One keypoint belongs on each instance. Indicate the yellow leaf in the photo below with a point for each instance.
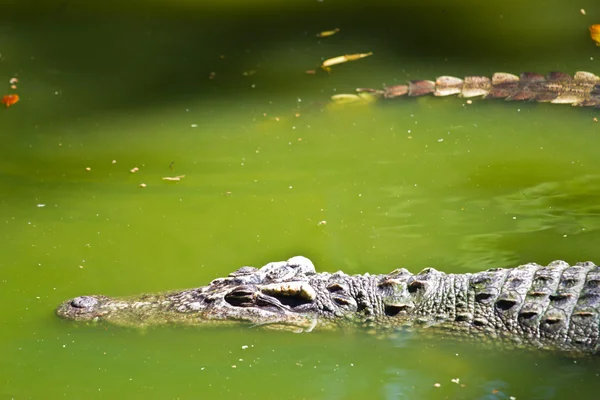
(342, 59)
(595, 33)
(328, 33)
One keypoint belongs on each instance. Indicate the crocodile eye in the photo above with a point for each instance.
(84, 302)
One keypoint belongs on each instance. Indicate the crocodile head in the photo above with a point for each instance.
(279, 295)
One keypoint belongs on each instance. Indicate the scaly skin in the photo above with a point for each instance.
(553, 307)
(583, 89)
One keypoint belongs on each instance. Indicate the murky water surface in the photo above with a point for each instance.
(220, 94)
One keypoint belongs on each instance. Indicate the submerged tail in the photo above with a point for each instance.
(583, 89)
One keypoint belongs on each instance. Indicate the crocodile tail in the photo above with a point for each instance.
(582, 89)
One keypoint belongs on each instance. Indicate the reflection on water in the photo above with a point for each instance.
(570, 207)
(552, 210)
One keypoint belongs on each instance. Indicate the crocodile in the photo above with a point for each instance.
(582, 89)
(553, 307)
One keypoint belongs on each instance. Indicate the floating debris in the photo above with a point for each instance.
(13, 81)
(582, 11)
(173, 178)
(311, 72)
(249, 73)
(595, 33)
(362, 97)
(134, 170)
(346, 98)
(328, 33)
(142, 185)
(321, 223)
(10, 99)
(88, 169)
(343, 59)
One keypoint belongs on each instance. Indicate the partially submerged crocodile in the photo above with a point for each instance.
(554, 307)
(582, 89)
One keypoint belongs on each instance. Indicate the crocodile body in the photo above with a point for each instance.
(582, 89)
(554, 307)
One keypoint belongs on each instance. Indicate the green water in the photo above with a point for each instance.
(414, 183)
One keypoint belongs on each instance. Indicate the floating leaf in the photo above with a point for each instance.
(595, 33)
(328, 33)
(353, 98)
(342, 59)
(173, 178)
(10, 99)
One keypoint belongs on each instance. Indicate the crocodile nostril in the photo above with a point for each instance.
(84, 302)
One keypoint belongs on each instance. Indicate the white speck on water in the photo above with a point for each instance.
(194, 125)
(244, 347)
(41, 205)
(441, 140)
